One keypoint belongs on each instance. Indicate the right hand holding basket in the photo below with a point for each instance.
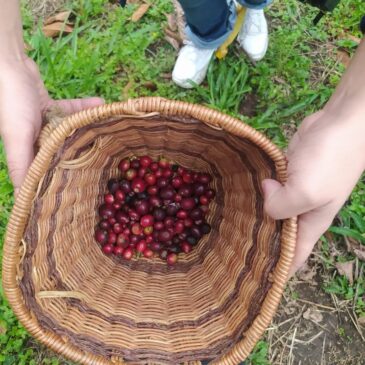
(326, 158)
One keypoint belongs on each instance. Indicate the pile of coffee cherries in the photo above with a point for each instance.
(155, 208)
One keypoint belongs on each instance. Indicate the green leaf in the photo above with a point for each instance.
(347, 232)
(358, 220)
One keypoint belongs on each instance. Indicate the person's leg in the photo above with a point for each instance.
(255, 4)
(209, 22)
(254, 37)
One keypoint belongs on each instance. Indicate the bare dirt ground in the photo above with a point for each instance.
(313, 327)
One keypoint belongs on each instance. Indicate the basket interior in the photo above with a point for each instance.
(143, 310)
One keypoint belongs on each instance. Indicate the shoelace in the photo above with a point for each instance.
(253, 23)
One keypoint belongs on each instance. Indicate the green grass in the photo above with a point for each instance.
(349, 225)
(227, 84)
(352, 216)
(106, 52)
(259, 355)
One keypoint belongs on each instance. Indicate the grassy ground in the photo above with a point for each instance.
(297, 77)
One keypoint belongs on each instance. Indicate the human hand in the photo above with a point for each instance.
(326, 157)
(23, 101)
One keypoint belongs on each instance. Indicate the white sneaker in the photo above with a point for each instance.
(191, 65)
(254, 36)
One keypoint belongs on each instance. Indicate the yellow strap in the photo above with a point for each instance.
(223, 49)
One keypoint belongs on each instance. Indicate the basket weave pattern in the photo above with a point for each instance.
(94, 309)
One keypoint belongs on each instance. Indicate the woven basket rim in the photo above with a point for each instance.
(142, 107)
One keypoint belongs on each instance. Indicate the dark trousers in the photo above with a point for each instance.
(210, 21)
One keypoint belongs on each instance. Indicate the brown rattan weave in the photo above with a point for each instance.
(93, 309)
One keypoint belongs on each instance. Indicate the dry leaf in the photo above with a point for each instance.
(306, 273)
(333, 249)
(343, 57)
(361, 321)
(171, 21)
(313, 315)
(173, 42)
(347, 269)
(290, 307)
(54, 29)
(60, 17)
(360, 254)
(150, 86)
(356, 248)
(172, 34)
(138, 14)
(173, 38)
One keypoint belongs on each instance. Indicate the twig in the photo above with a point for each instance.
(324, 259)
(282, 352)
(321, 326)
(316, 304)
(290, 360)
(291, 326)
(310, 340)
(356, 271)
(273, 356)
(280, 324)
(329, 71)
(335, 301)
(357, 283)
(323, 358)
(356, 324)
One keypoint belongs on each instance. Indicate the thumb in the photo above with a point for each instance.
(76, 105)
(19, 155)
(270, 187)
(289, 200)
(285, 201)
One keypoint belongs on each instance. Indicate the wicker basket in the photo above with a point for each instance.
(93, 309)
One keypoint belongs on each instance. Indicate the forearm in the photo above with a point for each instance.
(349, 96)
(11, 34)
